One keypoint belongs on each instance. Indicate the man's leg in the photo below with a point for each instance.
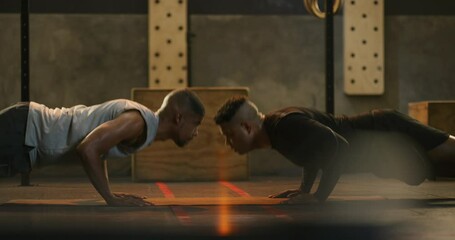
(439, 146)
(13, 152)
(443, 158)
(6, 132)
(425, 138)
(393, 155)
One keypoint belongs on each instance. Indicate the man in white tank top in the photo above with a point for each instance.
(33, 135)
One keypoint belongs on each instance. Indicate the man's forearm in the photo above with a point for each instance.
(332, 171)
(309, 175)
(328, 181)
(95, 168)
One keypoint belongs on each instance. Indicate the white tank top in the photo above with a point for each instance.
(54, 133)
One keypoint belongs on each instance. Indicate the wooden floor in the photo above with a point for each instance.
(361, 207)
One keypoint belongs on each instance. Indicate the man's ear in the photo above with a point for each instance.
(246, 126)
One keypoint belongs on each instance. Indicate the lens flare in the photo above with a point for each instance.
(224, 223)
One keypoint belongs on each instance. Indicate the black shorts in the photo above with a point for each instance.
(14, 155)
(394, 121)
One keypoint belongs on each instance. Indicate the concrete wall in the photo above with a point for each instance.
(75, 59)
(90, 58)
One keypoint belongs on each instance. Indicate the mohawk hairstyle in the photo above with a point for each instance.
(229, 108)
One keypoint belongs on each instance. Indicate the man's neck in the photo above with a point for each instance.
(162, 133)
(262, 139)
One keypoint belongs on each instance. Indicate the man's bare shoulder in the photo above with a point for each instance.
(132, 116)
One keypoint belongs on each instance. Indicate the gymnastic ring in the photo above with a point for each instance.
(312, 7)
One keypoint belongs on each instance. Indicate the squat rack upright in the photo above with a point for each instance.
(25, 67)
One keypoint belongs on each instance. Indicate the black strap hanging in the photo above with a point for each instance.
(329, 57)
(25, 53)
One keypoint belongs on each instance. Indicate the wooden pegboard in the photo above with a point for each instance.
(167, 44)
(363, 47)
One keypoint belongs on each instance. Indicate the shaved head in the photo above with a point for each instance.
(183, 100)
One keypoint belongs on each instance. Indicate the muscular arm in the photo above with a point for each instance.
(328, 181)
(309, 174)
(126, 127)
(316, 147)
(332, 146)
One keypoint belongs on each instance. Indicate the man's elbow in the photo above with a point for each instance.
(84, 151)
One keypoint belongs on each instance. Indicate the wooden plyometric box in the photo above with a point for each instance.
(438, 114)
(205, 158)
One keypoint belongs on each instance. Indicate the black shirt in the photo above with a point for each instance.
(308, 138)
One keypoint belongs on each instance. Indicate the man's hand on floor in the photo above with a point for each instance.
(128, 200)
(286, 194)
(301, 198)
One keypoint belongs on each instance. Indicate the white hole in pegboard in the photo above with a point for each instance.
(364, 47)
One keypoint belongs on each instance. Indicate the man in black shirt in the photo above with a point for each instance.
(385, 142)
